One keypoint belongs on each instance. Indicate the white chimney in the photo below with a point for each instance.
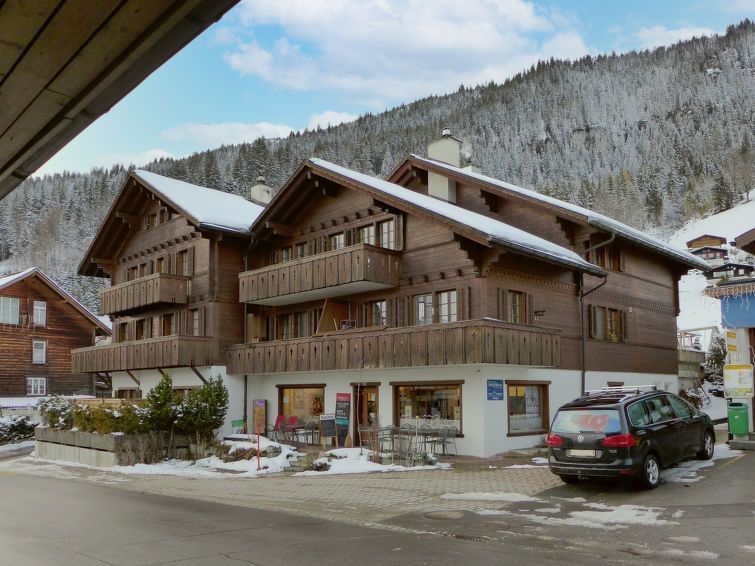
(448, 150)
(260, 193)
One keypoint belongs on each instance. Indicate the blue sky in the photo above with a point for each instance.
(273, 66)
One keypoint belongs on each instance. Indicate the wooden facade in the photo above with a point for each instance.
(174, 294)
(59, 326)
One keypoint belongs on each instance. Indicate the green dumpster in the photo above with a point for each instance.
(738, 419)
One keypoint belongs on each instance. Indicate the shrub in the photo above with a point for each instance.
(57, 412)
(203, 411)
(15, 429)
(163, 405)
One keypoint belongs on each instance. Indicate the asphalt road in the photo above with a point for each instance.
(48, 521)
(81, 519)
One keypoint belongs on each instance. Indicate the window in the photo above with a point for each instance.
(337, 241)
(367, 235)
(8, 310)
(142, 269)
(608, 257)
(387, 234)
(39, 352)
(140, 329)
(169, 326)
(194, 322)
(36, 386)
(638, 415)
(527, 407)
(183, 392)
(304, 402)
(129, 393)
(658, 409)
(447, 306)
(160, 265)
(183, 262)
(285, 326)
(607, 324)
(423, 309)
(514, 306)
(301, 249)
(285, 254)
(376, 314)
(302, 324)
(681, 408)
(131, 274)
(40, 313)
(150, 221)
(164, 215)
(437, 404)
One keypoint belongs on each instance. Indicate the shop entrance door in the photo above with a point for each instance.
(366, 411)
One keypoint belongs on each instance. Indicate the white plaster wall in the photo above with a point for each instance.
(185, 377)
(664, 381)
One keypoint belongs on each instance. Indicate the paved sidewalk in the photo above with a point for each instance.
(360, 499)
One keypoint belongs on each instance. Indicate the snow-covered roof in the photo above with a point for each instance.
(591, 217)
(207, 208)
(13, 278)
(497, 232)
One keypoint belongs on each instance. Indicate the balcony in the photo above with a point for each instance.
(163, 352)
(356, 269)
(155, 289)
(468, 342)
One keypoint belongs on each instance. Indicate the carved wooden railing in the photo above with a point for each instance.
(328, 274)
(158, 288)
(162, 352)
(468, 342)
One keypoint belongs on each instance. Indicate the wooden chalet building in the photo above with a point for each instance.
(450, 297)
(173, 252)
(39, 326)
(439, 294)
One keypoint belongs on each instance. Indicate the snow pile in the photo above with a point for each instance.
(686, 472)
(357, 461)
(6, 448)
(621, 515)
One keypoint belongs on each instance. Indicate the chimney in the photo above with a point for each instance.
(260, 193)
(448, 150)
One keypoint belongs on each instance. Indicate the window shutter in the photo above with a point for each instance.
(623, 322)
(503, 307)
(591, 320)
(529, 300)
(173, 263)
(190, 254)
(622, 265)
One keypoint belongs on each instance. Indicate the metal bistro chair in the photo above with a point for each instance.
(311, 432)
(441, 441)
(453, 432)
(368, 436)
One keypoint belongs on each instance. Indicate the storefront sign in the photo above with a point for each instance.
(738, 381)
(343, 407)
(495, 390)
(259, 414)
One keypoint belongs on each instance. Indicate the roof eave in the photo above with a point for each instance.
(585, 268)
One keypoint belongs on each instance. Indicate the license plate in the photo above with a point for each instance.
(583, 453)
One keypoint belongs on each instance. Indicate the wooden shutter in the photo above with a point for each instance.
(622, 263)
(624, 325)
(530, 302)
(503, 307)
(190, 260)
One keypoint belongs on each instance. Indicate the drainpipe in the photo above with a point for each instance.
(582, 295)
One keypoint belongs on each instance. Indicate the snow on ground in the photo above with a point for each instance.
(715, 407)
(697, 310)
(728, 224)
(605, 517)
(5, 448)
(23, 402)
(357, 461)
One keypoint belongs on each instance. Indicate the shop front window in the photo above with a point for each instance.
(527, 407)
(435, 404)
(303, 402)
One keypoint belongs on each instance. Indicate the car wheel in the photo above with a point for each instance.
(708, 447)
(569, 479)
(651, 472)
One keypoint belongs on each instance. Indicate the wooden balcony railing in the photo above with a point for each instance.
(355, 269)
(163, 352)
(468, 342)
(158, 288)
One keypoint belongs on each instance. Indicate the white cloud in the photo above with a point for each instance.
(213, 135)
(375, 51)
(329, 118)
(75, 161)
(656, 36)
(737, 6)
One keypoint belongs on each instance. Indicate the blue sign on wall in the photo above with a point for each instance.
(495, 390)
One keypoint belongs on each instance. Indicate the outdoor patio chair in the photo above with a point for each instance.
(290, 428)
(367, 435)
(439, 441)
(311, 432)
(453, 432)
(277, 430)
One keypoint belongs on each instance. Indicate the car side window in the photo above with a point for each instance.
(681, 408)
(659, 410)
(638, 415)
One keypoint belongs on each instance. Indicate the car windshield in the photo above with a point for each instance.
(605, 421)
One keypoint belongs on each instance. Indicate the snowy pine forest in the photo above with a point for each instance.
(653, 139)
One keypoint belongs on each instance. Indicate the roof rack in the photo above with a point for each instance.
(622, 389)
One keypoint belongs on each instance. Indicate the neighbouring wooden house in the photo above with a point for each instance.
(445, 297)
(39, 326)
(172, 252)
